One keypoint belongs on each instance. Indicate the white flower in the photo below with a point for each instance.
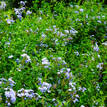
(86, 15)
(20, 95)
(16, 11)
(70, 89)
(11, 94)
(100, 66)
(80, 89)
(71, 84)
(73, 31)
(7, 94)
(27, 58)
(66, 31)
(68, 69)
(96, 48)
(29, 93)
(43, 35)
(98, 56)
(59, 58)
(0, 82)
(84, 89)
(11, 56)
(22, 3)
(46, 84)
(11, 82)
(67, 74)
(9, 104)
(58, 73)
(82, 106)
(22, 9)
(105, 43)
(63, 62)
(77, 95)
(3, 5)
(81, 10)
(19, 16)
(40, 18)
(28, 12)
(93, 58)
(77, 53)
(53, 99)
(45, 61)
(7, 43)
(45, 87)
(99, 21)
(75, 100)
(61, 34)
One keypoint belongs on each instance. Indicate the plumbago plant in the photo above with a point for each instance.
(54, 58)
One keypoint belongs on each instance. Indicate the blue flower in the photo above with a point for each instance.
(9, 21)
(96, 48)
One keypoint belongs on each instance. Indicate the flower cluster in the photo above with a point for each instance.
(27, 94)
(10, 96)
(3, 5)
(10, 82)
(45, 87)
(60, 61)
(73, 31)
(26, 58)
(45, 62)
(19, 12)
(67, 72)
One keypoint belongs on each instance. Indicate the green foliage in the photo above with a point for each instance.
(59, 46)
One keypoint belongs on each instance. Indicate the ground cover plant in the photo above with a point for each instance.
(53, 56)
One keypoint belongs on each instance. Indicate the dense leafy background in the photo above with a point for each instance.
(54, 54)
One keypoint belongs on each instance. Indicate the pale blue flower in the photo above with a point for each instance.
(19, 17)
(96, 48)
(75, 100)
(76, 11)
(9, 21)
(45, 61)
(84, 89)
(81, 10)
(45, 87)
(10, 94)
(11, 56)
(100, 66)
(12, 83)
(22, 3)
(17, 60)
(77, 53)
(3, 5)
(27, 58)
(22, 9)
(28, 12)
(99, 21)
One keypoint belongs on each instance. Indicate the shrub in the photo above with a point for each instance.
(54, 59)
